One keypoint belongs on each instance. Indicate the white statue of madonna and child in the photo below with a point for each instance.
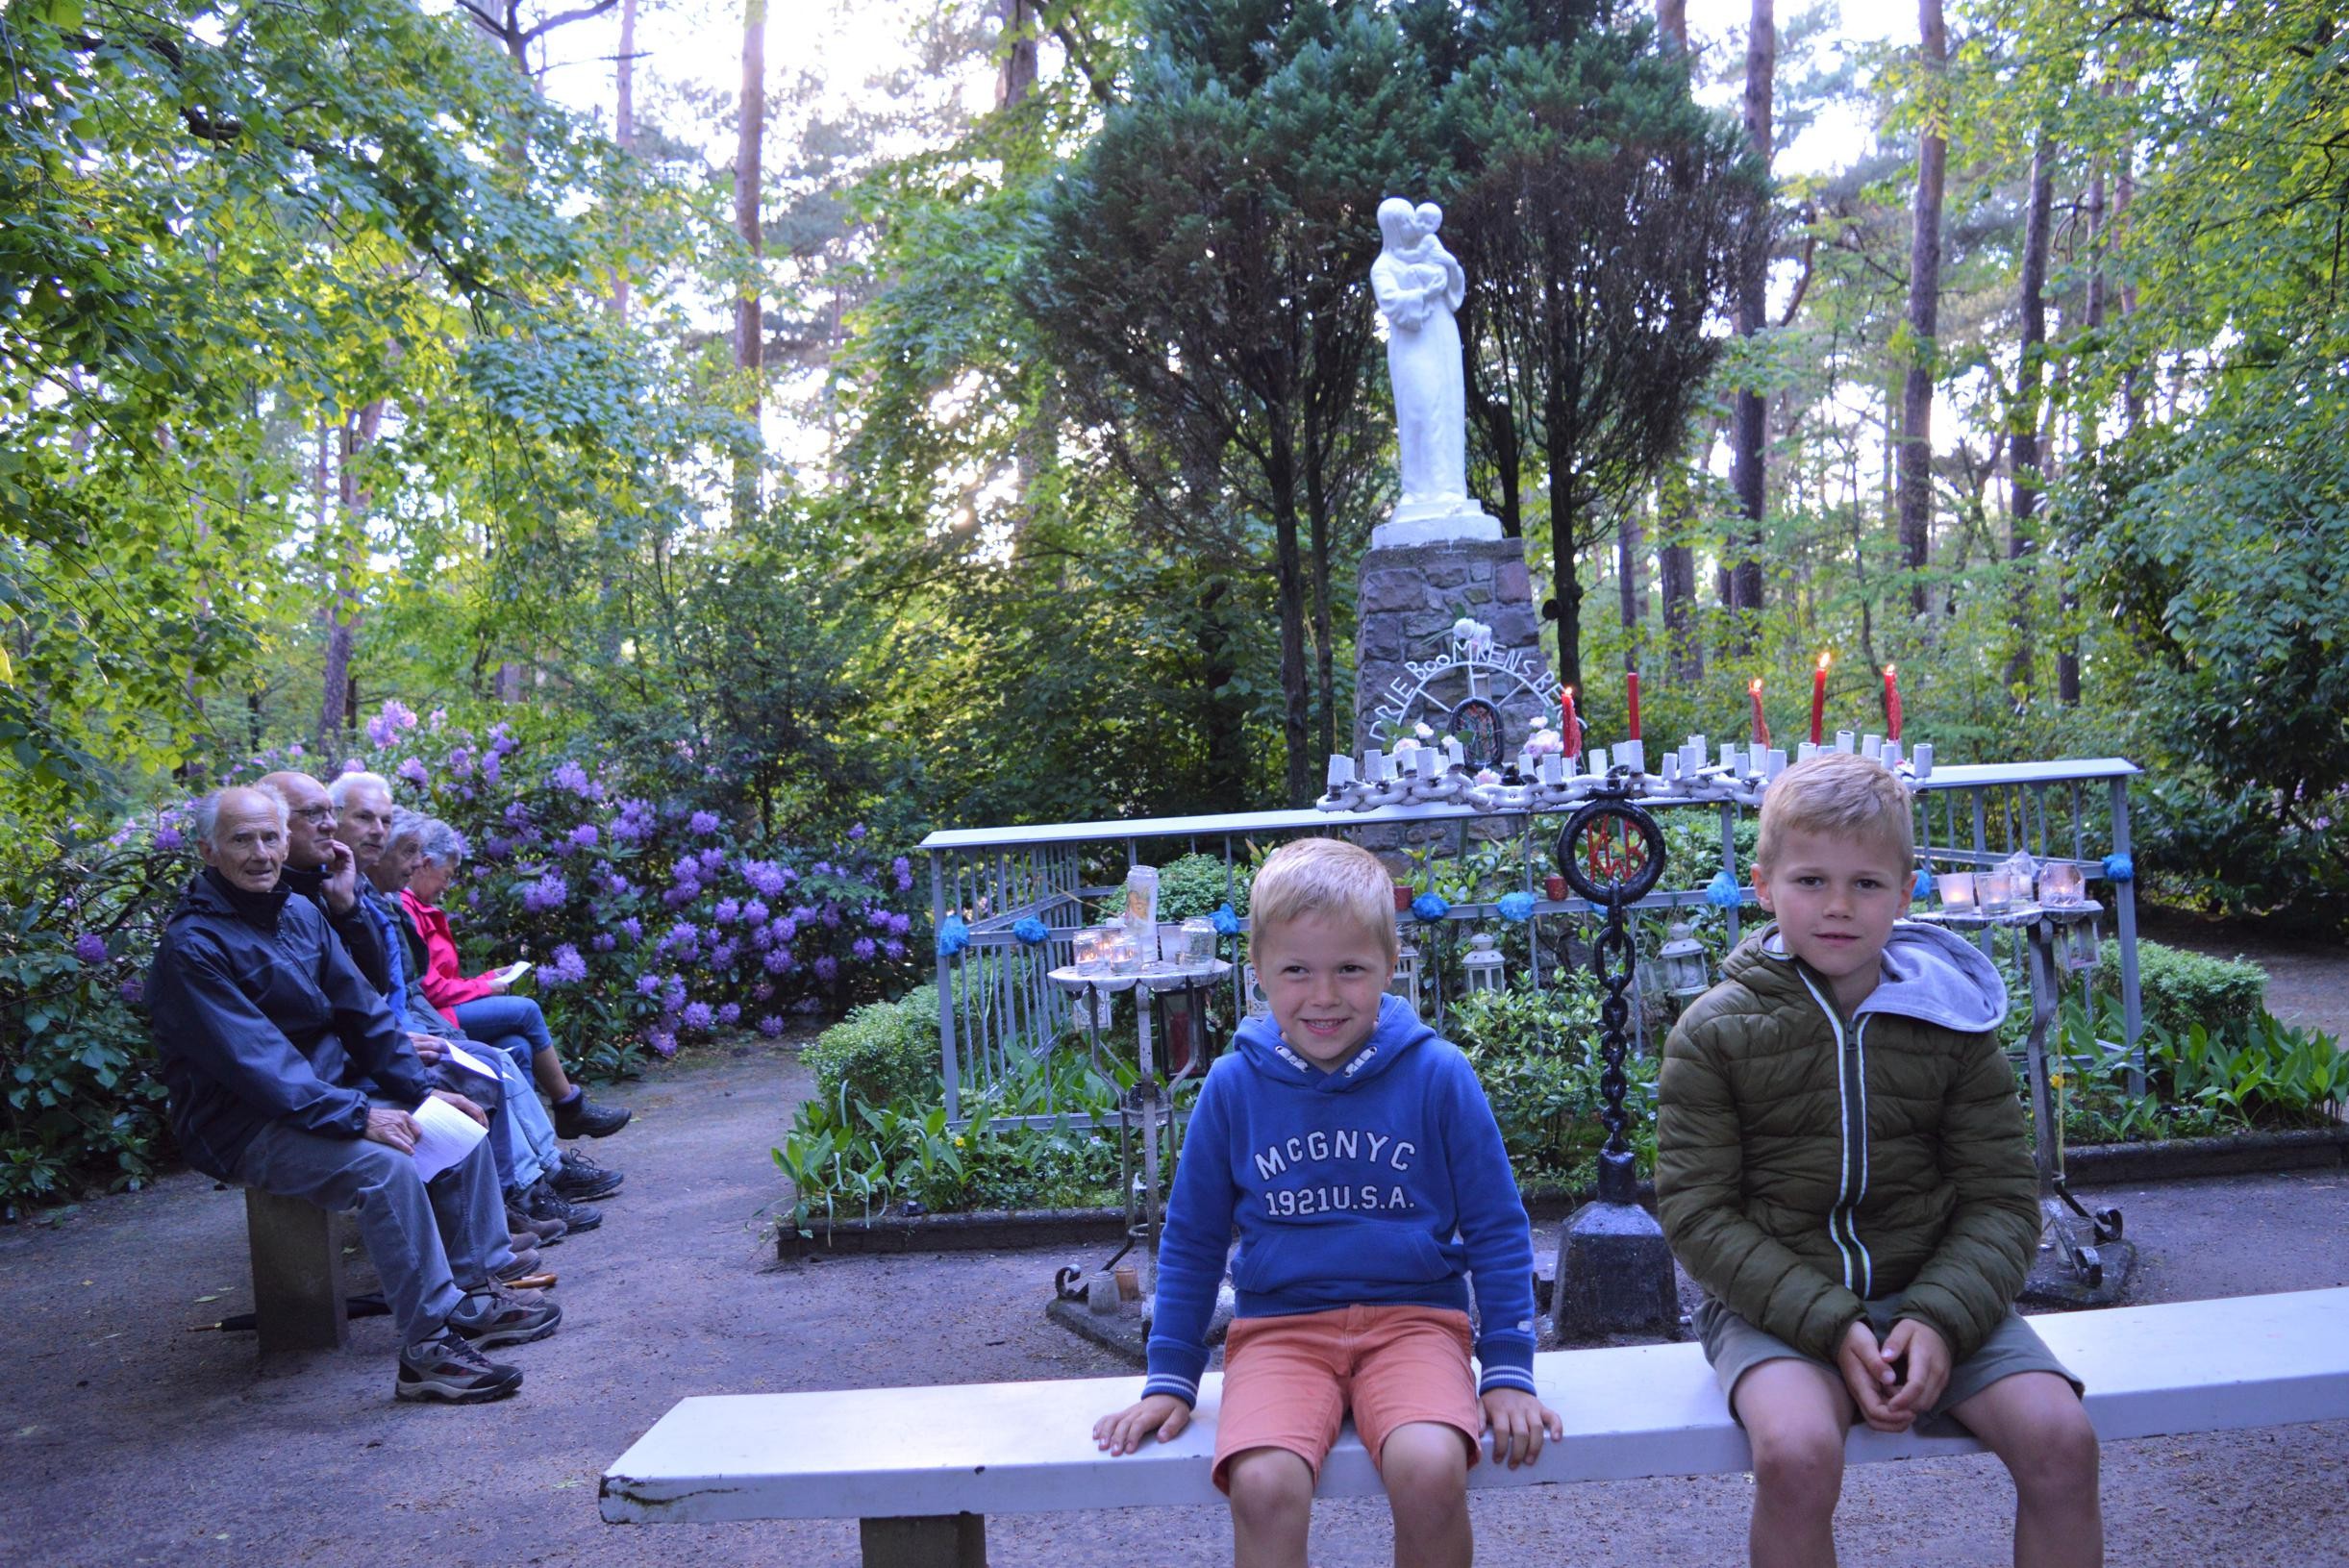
(1419, 285)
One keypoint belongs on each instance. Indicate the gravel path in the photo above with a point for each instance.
(128, 1439)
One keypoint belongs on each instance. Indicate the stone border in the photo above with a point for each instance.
(2097, 1165)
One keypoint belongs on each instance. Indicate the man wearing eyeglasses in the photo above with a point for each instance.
(321, 869)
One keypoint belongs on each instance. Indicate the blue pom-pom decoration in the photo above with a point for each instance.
(1723, 891)
(1922, 887)
(1227, 920)
(1429, 906)
(2120, 868)
(1032, 931)
(954, 936)
(1518, 905)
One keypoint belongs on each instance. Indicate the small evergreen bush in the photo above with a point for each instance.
(2180, 989)
(1197, 885)
(884, 1053)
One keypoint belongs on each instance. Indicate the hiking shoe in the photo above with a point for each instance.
(579, 1179)
(498, 1315)
(448, 1370)
(544, 1232)
(581, 1118)
(543, 1203)
(525, 1261)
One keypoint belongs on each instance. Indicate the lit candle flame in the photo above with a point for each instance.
(1823, 659)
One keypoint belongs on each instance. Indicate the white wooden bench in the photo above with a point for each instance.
(923, 1467)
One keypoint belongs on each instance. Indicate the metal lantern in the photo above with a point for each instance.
(1482, 964)
(1682, 961)
(1406, 980)
(2077, 945)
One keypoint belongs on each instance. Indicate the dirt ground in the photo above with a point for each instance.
(127, 1439)
(2308, 977)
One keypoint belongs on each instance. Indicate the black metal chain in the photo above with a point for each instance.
(1613, 957)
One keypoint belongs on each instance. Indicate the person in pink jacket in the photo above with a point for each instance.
(482, 1004)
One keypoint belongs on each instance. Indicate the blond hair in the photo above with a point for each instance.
(1836, 795)
(1322, 876)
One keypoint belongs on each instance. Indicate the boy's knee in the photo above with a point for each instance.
(1268, 1483)
(1799, 1465)
(1425, 1467)
(2063, 1457)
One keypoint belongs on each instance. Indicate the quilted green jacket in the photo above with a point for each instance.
(1806, 1162)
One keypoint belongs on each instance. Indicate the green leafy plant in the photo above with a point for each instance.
(2180, 989)
(884, 1053)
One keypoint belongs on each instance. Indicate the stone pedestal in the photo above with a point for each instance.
(1405, 663)
(298, 1295)
(1614, 1271)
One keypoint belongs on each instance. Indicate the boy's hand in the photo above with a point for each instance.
(1516, 1420)
(1124, 1431)
(1870, 1379)
(1923, 1358)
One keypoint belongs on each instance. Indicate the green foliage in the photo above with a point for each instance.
(2255, 1074)
(1536, 1053)
(2181, 991)
(883, 1052)
(1194, 884)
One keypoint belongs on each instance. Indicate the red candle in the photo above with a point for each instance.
(1818, 703)
(1762, 725)
(1631, 679)
(1569, 728)
(1891, 704)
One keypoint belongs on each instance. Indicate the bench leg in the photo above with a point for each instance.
(945, 1541)
(297, 1274)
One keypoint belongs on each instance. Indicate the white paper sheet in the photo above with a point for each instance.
(444, 1136)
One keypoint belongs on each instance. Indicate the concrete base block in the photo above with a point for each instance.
(299, 1296)
(946, 1540)
(1614, 1275)
(2053, 1281)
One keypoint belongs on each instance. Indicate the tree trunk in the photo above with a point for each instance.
(624, 129)
(2132, 382)
(1924, 313)
(1227, 720)
(1566, 585)
(1631, 577)
(1672, 23)
(2067, 647)
(1750, 420)
(1295, 708)
(2024, 480)
(749, 347)
(1325, 652)
(1015, 70)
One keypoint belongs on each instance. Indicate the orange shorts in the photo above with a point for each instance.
(1289, 1381)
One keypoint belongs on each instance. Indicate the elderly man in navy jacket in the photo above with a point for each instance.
(287, 1073)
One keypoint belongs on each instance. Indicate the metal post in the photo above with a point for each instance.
(2124, 921)
(945, 984)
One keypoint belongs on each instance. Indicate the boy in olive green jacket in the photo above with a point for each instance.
(1841, 1164)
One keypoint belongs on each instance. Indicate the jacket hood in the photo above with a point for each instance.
(1398, 1032)
(1927, 973)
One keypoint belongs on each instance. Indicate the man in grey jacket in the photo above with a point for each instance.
(287, 1073)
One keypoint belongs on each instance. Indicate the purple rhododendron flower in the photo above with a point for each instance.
(134, 990)
(635, 929)
(168, 840)
(862, 949)
(517, 814)
(785, 928)
(702, 823)
(755, 911)
(662, 1041)
(761, 992)
(351, 765)
(490, 767)
(765, 877)
(761, 938)
(713, 860)
(831, 915)
(501, 739)
(583, 836)
(726, 912)
(673, 994)
(604, 941)
(699, 1016)
(396, 717)
(570, 776)
(89, 947)
(905, 875)
(821, 868)
(721, 956)
(648, 985)
(826, 968)
(771, 1026)
(730, 1014)
(460, 763)
(900, 924)
(856, 833)
(294, 748)
(684, 933)
(777, 960)
(568, 967)
(894, 948)
(548, 892)
(677, 898)
(414, 772)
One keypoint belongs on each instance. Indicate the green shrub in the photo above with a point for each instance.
(2180, 989)
(883, 1052)
(1198, 884)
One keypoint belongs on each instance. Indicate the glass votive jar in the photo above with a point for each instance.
(1957, 889)
(2060, 885)
(1996, 889)
(1122, 951)
(1198, 940)
(1089, 945)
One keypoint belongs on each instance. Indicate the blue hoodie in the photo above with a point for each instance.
(1382, 1184)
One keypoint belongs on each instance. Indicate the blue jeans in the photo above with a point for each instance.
(521, 1134)
(514, 1024)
